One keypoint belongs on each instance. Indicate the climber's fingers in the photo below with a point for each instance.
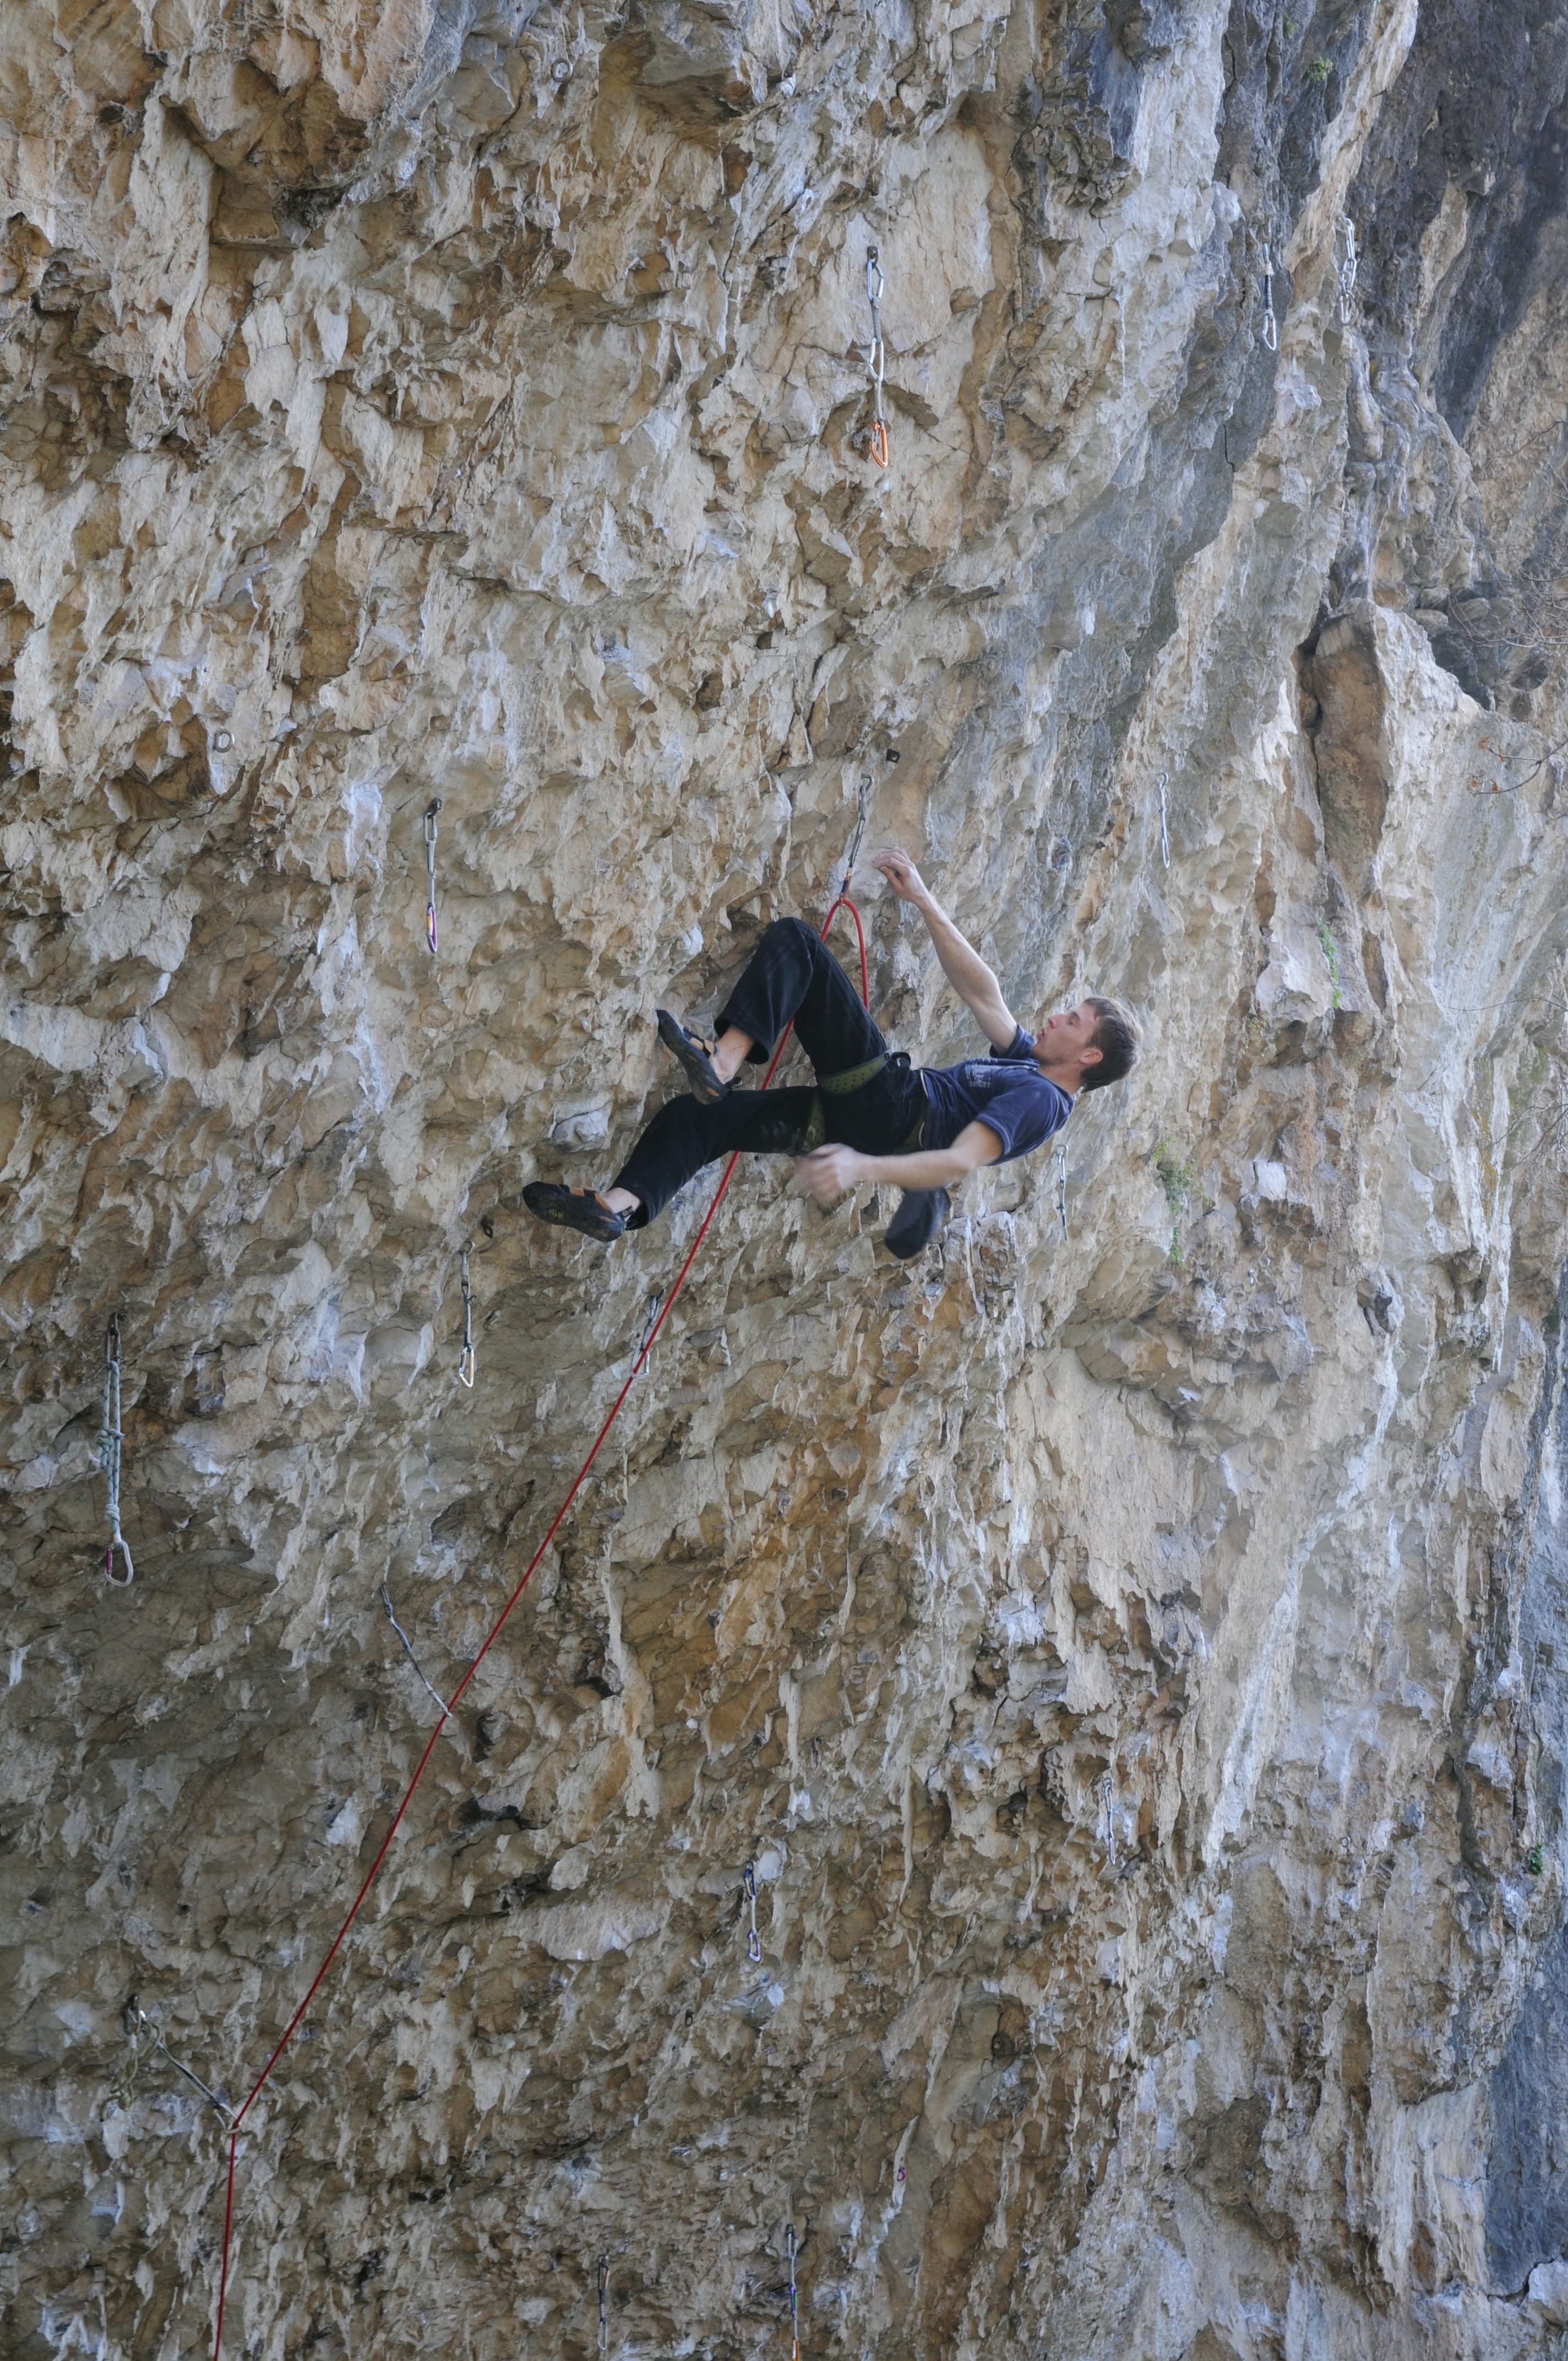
(900, 873)
(828, 1173)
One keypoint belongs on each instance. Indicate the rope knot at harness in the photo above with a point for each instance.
(109, 1441)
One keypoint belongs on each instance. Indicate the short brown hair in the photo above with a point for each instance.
(1119, 1038)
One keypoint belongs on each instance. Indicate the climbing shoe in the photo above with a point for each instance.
(920, 1215)
(573, 1209)
(696, 1062)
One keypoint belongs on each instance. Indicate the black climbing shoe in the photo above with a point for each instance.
(573, 1209)
(696, 1063)
(919, 1217)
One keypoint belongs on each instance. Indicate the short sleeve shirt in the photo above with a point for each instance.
(1006, 1092)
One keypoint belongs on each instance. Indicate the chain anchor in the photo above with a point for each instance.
(754, 1940)
(876, 360)
(465, 1360)
(430, 929)
(109, 1441)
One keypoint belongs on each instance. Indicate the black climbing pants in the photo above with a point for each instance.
(792, 977)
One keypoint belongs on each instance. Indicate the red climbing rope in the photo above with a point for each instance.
(843, 903)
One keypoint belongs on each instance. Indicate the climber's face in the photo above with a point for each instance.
(1067, 1040)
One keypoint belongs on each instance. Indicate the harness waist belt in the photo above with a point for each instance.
(853, 1078)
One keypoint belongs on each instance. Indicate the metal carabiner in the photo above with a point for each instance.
(1061, 1190)
(1108, 1798)
(604, 2292)
(754, 1940)
(465, 1362)
(430, 932)
(1270, 325)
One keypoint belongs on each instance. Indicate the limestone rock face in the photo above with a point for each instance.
(1126, 1644)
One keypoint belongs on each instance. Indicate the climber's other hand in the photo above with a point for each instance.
(901, 874)
(828, 1173)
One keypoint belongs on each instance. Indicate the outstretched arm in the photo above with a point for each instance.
(829, 1171)
(974, 982)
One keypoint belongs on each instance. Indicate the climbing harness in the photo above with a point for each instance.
(1061, 1189)
(465, 1357)
(794, 2302)
(604, 2293)
(408, 1648)
(1347, 271)
(1270, 325)
(840, 902)
(1164, 783)
(1108, 1800)
(876, 360)
(109, 1442)
(754, 1940)
(430, 934)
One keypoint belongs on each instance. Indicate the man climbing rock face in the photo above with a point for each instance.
(869, 1116)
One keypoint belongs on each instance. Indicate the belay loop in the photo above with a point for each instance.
(465, 1363)
(1270, 325)
(109, 1442)
(430, 934)
(876, 359)
(754, 1940)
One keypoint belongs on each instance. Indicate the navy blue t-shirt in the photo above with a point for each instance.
(1006, 1092)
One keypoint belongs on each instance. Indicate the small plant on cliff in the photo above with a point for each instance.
(1330, 952)
(1318, 72)
(1175, 1179)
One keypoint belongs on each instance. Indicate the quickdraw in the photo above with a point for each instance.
(876, 360)
(465, 1363)
(407, 1649)
(1061, 1189)
(791, 2250)
(754, 1940)
(1347, 271)
(1108, 1803)
(604, 2299)
(650, 1328)
(1164, 783)
(109, 1441)
(137, 2022)
(430, 932)
(1270, 325)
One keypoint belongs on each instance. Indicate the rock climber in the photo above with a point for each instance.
(869, 1116)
